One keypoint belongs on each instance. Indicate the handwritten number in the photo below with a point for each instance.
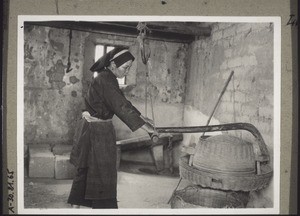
(10, 197)
(10, 186)
(11, 209)
(10, 174)
(292, 21)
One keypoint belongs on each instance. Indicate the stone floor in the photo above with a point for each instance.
(139, 186)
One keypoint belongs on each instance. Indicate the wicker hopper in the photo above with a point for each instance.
(198, 197)
(227, 163)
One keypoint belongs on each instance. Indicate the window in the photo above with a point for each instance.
(100, 50)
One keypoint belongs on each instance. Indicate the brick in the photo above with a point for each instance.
(226, 43)
(235, 62)
(229, 32)
(264, 127)
(225, 75)
(228, 53)
(214, 27)
(41, 162)
(223, 66)
(249, 60)
(239, 96)
(227, 96)
(243, 28)
(238, 38)
(227, 118)
(266, 112)
(224, 25)
(259, 26)
(63, 168)
(217, 35)
(249, 110)
(62, 149)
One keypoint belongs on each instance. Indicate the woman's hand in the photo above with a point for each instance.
(147, 120)
(151, 131)
(149, 128)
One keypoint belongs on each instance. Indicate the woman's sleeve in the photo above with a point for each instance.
(121, 106)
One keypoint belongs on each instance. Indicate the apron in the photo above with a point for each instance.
(95, 155)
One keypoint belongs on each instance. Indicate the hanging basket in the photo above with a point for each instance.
(198, 197)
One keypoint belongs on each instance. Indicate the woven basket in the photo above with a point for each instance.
(224, 153)
(197, 197)
(238, 181)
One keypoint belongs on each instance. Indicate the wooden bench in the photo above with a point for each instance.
(167, 140)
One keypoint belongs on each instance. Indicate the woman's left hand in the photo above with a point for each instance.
(150, 121)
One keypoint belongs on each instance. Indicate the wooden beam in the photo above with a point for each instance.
(185, 28)
(122, 30)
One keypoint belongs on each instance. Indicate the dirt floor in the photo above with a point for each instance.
(139, 186)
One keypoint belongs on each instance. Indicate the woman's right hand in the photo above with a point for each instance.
(151, 131)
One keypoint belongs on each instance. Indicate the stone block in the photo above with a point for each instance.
(41, 162)
(223, 66)
(228, 53)
(235, 62)
(229, 32)
(249, 60)
(217, 35)
(266, 111)
(63, 168)
(224, 25)
(240, 97)
(62, 149)
(243, 28)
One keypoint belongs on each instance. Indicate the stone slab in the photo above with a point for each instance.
(62, 149)
(41, 162)
(63, 168)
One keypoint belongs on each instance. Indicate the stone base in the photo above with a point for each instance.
(41, 162)
(63, 168)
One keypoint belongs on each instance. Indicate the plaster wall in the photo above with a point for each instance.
(246, 49)
(51, 95)
(54, 97)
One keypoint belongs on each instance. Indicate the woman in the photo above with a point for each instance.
(94, 152)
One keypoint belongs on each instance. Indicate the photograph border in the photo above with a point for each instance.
(289, 120)
(219, 19)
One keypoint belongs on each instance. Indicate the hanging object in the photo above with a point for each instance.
(145, 55)
(69, 62)
(143, 29)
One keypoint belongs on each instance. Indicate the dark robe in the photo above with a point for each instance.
(94, 152)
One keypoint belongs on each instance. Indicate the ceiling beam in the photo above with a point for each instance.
(162, 33)
(187, 28)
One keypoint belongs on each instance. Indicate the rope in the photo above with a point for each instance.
(143, 29)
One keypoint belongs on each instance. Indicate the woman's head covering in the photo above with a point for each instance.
(119, 55)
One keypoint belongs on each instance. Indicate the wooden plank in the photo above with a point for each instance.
(108, 28)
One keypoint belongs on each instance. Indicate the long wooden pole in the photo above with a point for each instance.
(219, 99)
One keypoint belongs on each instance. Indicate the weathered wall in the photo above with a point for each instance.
(246, 49)
(51, 95)
(53, 98)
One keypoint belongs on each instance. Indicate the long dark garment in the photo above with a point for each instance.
(96, 180)
(94, 152)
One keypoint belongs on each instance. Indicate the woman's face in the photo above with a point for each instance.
(123, 70)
